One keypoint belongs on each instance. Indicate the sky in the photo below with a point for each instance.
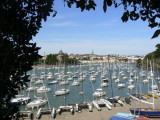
(76, 32)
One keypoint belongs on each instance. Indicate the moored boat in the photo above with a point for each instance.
(20, 100)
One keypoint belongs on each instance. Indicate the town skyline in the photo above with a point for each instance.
(91, 52)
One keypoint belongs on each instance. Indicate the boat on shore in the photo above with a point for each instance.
(149, 112)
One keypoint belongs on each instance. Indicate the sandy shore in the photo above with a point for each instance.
(105, 114)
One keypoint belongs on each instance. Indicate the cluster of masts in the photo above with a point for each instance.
(121, 75)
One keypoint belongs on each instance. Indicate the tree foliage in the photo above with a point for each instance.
(20, 20)
(139, 63)
(82, 4)
(155, 54)
(52, 60)
(124, 60)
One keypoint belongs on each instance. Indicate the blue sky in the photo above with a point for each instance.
(79, 32)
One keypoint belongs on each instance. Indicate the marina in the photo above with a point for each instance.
(88, 95)
(104, 114)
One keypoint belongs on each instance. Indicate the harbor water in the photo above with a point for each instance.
(86, 85)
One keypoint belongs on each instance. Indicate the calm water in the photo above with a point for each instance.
(74, 97)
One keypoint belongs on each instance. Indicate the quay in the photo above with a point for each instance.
(104, 114)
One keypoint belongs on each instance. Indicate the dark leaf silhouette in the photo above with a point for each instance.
(20, 22)
(104, 5)
(55, 13)
(109, 2)
(156, 34)
(125, 16)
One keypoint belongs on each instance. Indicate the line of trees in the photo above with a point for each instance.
(52, 60)
(154, 57)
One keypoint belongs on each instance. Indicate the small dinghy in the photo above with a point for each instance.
(42, 111)
(96, 105)
(142, 118)
(84, 105)
(123, 116)
(53, 82)
(107, 103)
(24, 115)
(119, 118)
(67, 108)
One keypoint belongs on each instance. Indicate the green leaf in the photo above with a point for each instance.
(156, 34)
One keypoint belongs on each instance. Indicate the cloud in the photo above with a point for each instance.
(122, 47)
(103, 24)
(108, 23)
(62, 24)
(57, 17)
(115, 20)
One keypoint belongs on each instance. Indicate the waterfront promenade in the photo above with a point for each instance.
(105, 114)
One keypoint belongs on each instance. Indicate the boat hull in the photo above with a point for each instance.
(20, 101)
(146, 111)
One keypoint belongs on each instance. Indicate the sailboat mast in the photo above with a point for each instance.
(65, 80)
(34, 75)
(147, 74)
(82, 83)
(152, 83)
(101, 73)
(45, 81)
(110, 75)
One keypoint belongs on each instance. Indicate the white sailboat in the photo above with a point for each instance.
(145, 81)
(32, 88)
(121, 85)
(19, 100)
(50, 76)
(64, 82)
(75, 83)
(38, 101)
(38, 82)
(99, 93)
(131, 86)
(62, 91)
(104, 82)
(43, 89)
(83, 105)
